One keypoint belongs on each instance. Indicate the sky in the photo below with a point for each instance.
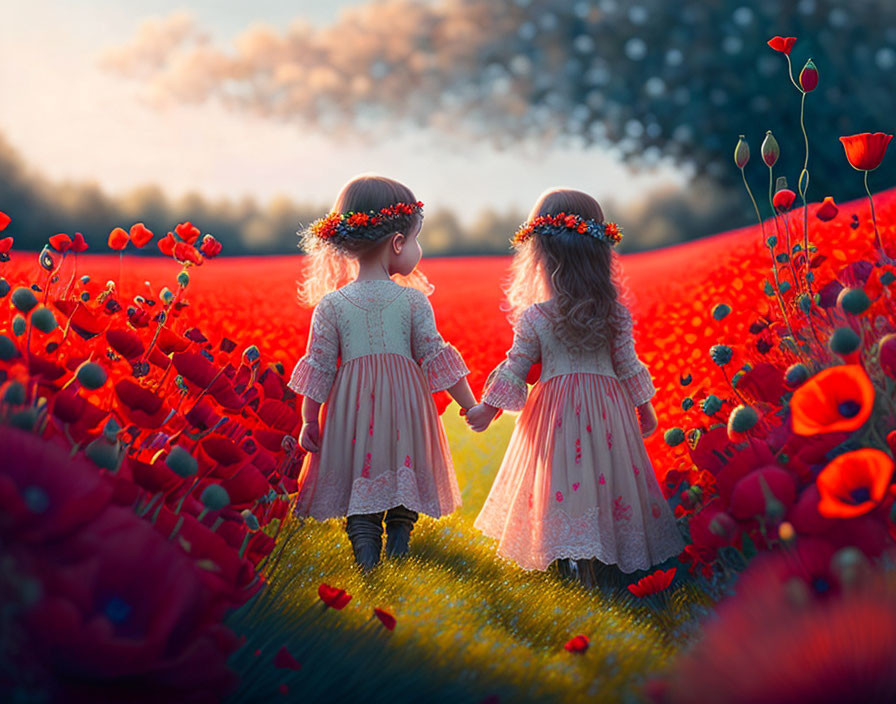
(72, 120)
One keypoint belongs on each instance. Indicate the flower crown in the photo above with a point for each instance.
(608, 232)
(367, 225)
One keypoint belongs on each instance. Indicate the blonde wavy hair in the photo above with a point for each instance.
(328, 265)
(582, 274)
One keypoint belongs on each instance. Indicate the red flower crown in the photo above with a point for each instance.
(608, 232)
(367, 225)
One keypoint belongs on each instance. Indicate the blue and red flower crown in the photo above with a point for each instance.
(608, 232)
(368, 225)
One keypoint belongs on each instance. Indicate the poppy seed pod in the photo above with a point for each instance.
(19, 326)
(674, 436)
(741, 152)
(91, 375)
(44, 320)
(8, 348)
(844, 341)
(742, 419)
(720, 310)
(23, 299)
(796, 375)
(770, 149)
(711, 405)
(181, 462)
(4, 287)
(720, 354)
(854, 301)
(214, 497)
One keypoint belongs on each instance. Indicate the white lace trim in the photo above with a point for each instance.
(506, 390)
(311, 381)
(594, 534)
(639, 386)
(385, 491)
(444, 369)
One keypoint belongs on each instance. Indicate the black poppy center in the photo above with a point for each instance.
(849, 409)
(860, 495)
(820, 585)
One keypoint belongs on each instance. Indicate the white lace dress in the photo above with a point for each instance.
(374, 358)
(576, 481)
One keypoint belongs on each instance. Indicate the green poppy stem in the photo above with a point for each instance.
(774, 269)
(877, 240)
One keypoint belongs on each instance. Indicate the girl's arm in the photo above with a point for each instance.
(630, 371)
(441, 363)
(314, 374)
(506, 385)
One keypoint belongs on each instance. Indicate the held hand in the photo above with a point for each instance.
(647, 419)
(309, 438)
(480, 415)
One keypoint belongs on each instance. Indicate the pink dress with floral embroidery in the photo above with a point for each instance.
(374, 358)
(576, 481)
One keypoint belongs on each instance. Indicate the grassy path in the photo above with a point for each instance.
(469, 625)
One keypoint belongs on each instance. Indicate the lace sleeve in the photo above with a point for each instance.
(314, 373)
(630, 371)
(441, 363)
(506, 385)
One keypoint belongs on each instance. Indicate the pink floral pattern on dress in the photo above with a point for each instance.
(365, 470)
(655, 510)
(603, 479)
(407, 461)
(575, 487)
(609, 440)
(621, 510)
(636, 470)
(578, 450)
(588, 427)
(559, 496)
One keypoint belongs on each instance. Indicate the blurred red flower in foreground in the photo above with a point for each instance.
(866, 151)
(387, 619)
(653, 583)
(838, 398)
(577, 644)
(4, 220)
(782, 44)
(333, 597)
(854, 483)
(285, 660)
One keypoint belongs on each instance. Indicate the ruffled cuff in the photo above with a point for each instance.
(505, 390)
(307, 380)
(639, 386)
(444, 369)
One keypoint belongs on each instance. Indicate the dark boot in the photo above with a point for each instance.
(399, 524)
(365, 531)
(586, 573)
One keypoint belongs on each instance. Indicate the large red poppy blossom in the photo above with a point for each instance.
(653, 583)
(220, 455)
(184, 252)
(753, 495)
(854, 483)
(210, 247)
(61, 242)
(577, 644)
(122, 604)
(166, 245)
(783, 199)
(141, 405)
(865, 151)
(125, 342)
(837, 398)
(827, 210)
(743, 461)
(187, 231)
(118, 239)
(45, 494)
(782, 44)
(764, 382)
(245, 487)
(333, 597)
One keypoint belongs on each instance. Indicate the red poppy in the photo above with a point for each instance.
(755, 494)
(166, 245)
(285, 661)
(387, 619)
(837, 398)
(210, 247)
(61, 242)
(79, 244)
(854, 483)
(827, 210)
(4, 220)
(140, 234)
(140, 404)
(125, 342)
(713, 527)
(865, 151)
(782, 44)
(187, 231)
(783, 199)
(577, 644)
(118, 239)
(5, 245)
(764, 382)
(333, 597)
(653, 583)
(185, 252)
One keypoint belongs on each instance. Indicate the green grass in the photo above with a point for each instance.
(470, 625)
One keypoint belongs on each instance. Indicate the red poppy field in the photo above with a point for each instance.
(153, 457)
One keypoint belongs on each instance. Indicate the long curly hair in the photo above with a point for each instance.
(582, 274)
(331, 264)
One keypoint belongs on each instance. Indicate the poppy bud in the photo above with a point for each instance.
(770, 149)
(250, 519)
(166, 295)
(720, 354)
(772, 242)
(844, 341)
(91, 375)
(183, 278)
(8, 349)
(4, 287)
(15, 393)
(741, 152)
(720, 310)
(19, 326)
(742, 419)
(711, 405)
(44, 320)
(674, 436)
(103, 454)
(181, 462)
(854, 301)
(23, 299)
(809, 77)
(214, 497)
(687, 404)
